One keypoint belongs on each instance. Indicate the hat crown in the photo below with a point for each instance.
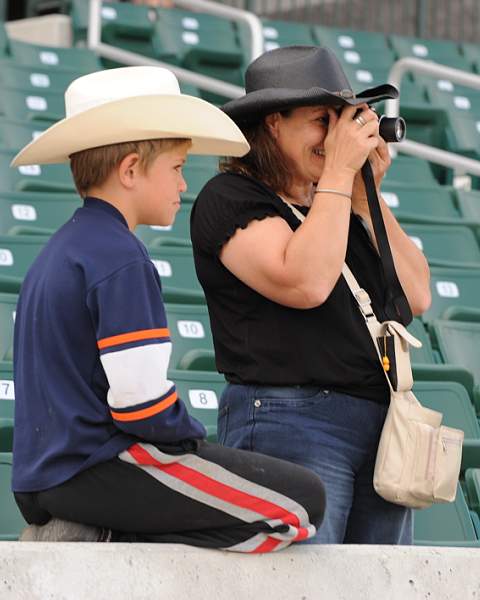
(101, 87)
(297, 67)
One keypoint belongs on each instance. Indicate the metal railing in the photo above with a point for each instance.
(460, 164)
(131, 58)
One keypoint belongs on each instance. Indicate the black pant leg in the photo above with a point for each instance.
(131, 500)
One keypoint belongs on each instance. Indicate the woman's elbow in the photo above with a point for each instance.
(421, 303)
(312, 296)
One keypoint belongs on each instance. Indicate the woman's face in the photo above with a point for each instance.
(301, 136)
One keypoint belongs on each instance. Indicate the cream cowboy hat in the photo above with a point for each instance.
(132, 104)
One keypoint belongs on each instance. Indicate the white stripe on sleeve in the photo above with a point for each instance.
(137, 375)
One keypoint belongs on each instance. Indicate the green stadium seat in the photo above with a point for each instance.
(32, 105)
(446, 245)
(3, 39)
(459, 344)
(462, 134)
(178, 233)
(34, 178)
(411, 171)
(420, 205)
(17, 253)
(189, 327)
(461, 101)
(451, 399)
(201, 391)
(452, 287)
(471, 52)
(36, 79)
(202, 43)
(11, 520)
(286, 33)
(35, 212)
(196, 175)
(436, 50)
(80, 59)
(427, 366)
(472, 489)
(174, 265)
(445, 524)
(8, 307)
(15, 134)
(356, 48)
(425, 354)
(7, 390)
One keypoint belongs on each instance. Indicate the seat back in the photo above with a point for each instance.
(452, 287)
(54, 57)
(34, 178)
(35, 212)
(17, 252)
(451, 399)
(445, 524)
(459, 343)
(189, 327)
(446, 245)
(11, 520)
(8, 306)
(201, 391)
(175, 266)
(32, 105)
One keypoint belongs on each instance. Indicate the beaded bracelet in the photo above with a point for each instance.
(328, 191)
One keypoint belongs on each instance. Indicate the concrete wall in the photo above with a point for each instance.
(49, 30)
(40, 571)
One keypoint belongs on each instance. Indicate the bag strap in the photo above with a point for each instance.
(397, 307)
(363, 300)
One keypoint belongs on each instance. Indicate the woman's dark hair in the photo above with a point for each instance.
(265, 161)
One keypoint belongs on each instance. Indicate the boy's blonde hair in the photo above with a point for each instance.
(92, 167)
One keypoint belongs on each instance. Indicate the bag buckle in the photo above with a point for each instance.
(364, 303)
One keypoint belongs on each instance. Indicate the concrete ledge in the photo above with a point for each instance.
(37, 571)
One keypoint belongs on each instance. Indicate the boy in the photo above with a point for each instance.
(104, 450)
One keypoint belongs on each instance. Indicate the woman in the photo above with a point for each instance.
(305, 382)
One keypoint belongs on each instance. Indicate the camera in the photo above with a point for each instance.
(391, 129)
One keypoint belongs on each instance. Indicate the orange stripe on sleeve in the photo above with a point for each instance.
(132, 336)
(146, 412)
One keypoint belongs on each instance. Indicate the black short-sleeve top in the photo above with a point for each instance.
(258, 341)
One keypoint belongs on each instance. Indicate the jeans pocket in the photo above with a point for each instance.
(288, 397)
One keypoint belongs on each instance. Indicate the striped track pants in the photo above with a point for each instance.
(207, 496)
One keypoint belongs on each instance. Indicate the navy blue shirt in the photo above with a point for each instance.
(91, 352)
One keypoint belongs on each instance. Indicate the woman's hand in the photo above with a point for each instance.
(380, 161)
(349, 142)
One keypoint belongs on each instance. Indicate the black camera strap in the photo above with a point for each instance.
(397, 307)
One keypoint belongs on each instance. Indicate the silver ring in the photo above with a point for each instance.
(360, 120)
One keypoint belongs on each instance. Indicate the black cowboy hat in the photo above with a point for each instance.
(297, 76)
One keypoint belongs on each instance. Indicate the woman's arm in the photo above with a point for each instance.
(410, 263)
(299, 269)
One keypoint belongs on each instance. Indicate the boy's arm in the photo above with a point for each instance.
(134, 345)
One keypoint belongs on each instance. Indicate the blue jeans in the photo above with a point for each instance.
(334, 435)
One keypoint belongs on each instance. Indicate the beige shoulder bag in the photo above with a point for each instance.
(418, 459)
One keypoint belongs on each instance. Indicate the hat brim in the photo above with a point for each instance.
(134, 119)
(254, 105)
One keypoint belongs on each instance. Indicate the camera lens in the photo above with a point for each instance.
(392, 129)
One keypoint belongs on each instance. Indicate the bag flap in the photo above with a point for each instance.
(395, 327)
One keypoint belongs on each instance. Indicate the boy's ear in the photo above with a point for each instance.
(128, 170)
